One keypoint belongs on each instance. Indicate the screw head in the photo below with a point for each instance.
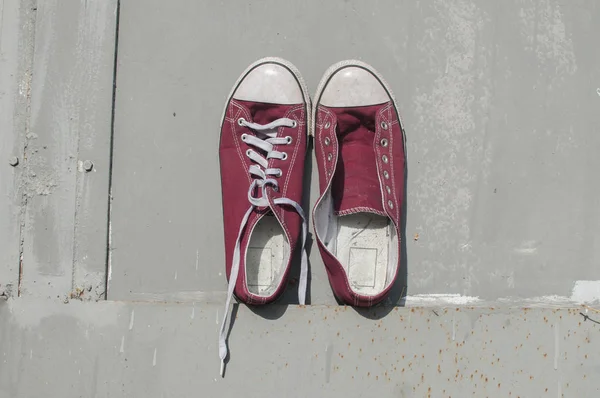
(88, 165)
(13, 161)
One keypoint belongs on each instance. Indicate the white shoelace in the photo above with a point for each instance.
(264, 179)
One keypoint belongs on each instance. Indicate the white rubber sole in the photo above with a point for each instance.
(268, 251)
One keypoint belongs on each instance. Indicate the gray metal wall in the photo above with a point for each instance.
(109, 115)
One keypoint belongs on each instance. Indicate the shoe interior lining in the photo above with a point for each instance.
(365, 244)
(266, 256)
(362, 248)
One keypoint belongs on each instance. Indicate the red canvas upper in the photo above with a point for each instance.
(351, 165)
(235, 182)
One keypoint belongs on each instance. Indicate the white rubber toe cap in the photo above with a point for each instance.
(271, 83)
(353, 86)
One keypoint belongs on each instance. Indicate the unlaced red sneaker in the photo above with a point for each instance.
(359, 144)
(262, 152)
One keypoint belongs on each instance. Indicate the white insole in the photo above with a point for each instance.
(266, 256)
(363, 250)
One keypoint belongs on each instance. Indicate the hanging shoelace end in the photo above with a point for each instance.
(222, 368)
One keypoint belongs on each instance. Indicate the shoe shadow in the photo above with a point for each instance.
(397, 296)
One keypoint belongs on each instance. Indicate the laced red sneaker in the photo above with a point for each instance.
(359, 144)
(262, 152)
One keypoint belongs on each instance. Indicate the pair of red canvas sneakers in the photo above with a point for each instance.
(360, 154)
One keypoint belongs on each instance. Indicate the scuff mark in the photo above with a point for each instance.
(528, 247)
(154, 358)
(131, 318)
(328, 356)
(556, 345)
(453, 328)
(122, 349)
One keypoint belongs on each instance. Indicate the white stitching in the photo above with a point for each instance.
(359, 209)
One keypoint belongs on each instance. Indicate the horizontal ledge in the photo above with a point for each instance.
(416, 301)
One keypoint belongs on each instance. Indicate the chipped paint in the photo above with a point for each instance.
(440, 299)
(586, 292)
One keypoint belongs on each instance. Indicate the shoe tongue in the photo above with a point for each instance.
(355, 186)
(265, 113)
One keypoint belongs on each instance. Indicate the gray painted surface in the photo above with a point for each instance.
(16, 36)
(501, 102)
(140, 350)
(66, 217)
(502, 117)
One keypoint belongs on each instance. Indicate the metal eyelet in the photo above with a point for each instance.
(390, 204)
(284, 156)
(244, 136)
(327, 124)
(386, 174)
(384, 125)
(294, 124)
(384, 142)
(241, 121)
(388, 189)
(329, 157)
(288, 139)
(279, 173)
(384, 158)
(327, 141)
(248, 152)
